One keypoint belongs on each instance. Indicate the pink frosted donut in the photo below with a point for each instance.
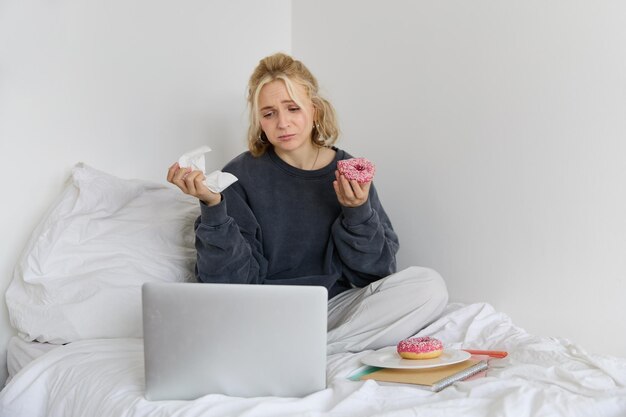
(359, 169)
(420, 348)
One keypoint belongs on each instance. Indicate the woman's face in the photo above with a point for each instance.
(287, 125)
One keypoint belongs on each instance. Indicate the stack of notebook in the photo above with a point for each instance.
(435, 378)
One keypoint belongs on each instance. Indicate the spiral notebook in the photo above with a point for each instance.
(434, 379)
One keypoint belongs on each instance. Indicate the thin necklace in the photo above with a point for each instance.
(316, 156)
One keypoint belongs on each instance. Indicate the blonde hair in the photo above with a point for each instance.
(283, 67)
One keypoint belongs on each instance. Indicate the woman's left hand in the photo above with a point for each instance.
(349, 192)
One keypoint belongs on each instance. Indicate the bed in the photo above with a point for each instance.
(74, 301)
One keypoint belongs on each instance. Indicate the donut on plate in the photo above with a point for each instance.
(359, 169)
(420, 348)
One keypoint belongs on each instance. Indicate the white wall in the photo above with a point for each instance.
(498, 129)
(124, 86)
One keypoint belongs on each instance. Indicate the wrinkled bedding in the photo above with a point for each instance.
(541, 376)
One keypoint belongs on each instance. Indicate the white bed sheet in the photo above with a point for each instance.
(541, 377)
(20, 353)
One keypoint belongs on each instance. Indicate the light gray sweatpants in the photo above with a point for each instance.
(386, 311)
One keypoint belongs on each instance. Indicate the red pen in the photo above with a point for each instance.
(492, 353)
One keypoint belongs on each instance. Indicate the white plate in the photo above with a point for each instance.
(389, 358)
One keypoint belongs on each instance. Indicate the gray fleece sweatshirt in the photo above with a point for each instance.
(283, 225)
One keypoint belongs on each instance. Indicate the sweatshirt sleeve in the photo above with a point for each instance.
(229, 251)
(366, 242)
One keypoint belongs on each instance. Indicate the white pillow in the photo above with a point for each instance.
(80, 274)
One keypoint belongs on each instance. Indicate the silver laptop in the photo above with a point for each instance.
(233, 339)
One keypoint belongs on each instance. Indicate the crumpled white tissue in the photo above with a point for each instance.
(216, 181)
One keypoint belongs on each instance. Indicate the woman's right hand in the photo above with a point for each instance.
(192, 183)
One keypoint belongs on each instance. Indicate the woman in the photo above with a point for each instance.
(291, 218)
